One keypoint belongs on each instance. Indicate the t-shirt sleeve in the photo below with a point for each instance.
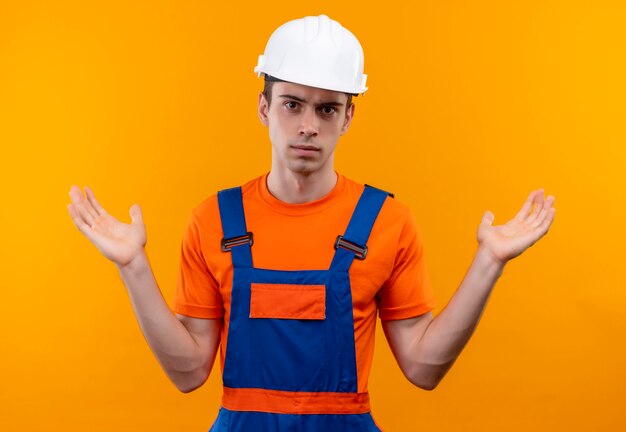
(197, 292)
(407, 292)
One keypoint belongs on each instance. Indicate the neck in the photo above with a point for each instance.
(297, 188)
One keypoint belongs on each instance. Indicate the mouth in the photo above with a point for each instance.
(305, 149)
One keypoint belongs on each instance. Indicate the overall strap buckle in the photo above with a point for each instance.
(235, 234)
(360, 252)
(359, 228)
(229, 243)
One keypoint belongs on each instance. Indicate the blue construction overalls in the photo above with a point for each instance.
(283, 373)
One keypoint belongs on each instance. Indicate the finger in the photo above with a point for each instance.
(92, 235)
(135, 214)
(526, 208)
(545, 226)
(80, 223)
(80, 205)
(539, 201)
(80, 201)
(94, 202)
(488, 218)
(542, 216)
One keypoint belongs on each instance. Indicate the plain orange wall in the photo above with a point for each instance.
(471, 106)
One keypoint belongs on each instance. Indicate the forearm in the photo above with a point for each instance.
(448, 333)
(426, 347)
(180, 356)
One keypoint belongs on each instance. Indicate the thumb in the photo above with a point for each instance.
(135, 214)
(488, 218)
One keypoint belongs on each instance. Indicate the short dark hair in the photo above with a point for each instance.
(269, 83)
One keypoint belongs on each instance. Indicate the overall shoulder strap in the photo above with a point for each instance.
(237, 240)
(353, 244)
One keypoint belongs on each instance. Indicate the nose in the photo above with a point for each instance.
(308, 123)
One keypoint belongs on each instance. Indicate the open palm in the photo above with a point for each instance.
(532, 222)
(116, 240)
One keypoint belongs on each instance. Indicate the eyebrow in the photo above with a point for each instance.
(296, 98)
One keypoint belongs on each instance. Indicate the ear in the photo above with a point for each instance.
(348, 119)
(263, 109)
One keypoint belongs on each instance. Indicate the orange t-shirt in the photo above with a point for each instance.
(391, 280)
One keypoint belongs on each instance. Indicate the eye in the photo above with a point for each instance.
(291, 105)
(328, 110)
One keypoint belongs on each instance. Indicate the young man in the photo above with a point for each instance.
(287, 273)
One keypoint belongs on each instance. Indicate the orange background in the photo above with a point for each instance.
(472, 105)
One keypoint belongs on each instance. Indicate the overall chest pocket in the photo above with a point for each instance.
(288, 341)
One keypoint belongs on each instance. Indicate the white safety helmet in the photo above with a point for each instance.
(317, 52)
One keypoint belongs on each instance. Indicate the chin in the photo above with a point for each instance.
(304, 168)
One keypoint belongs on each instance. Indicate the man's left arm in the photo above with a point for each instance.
(425, 347)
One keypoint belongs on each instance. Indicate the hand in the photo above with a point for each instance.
(117, 241)
(505, 242)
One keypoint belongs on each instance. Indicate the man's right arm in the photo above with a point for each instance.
(184, 346)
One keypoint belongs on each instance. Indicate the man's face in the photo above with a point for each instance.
(304, 126)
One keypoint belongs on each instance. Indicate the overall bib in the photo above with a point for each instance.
(290, 362)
